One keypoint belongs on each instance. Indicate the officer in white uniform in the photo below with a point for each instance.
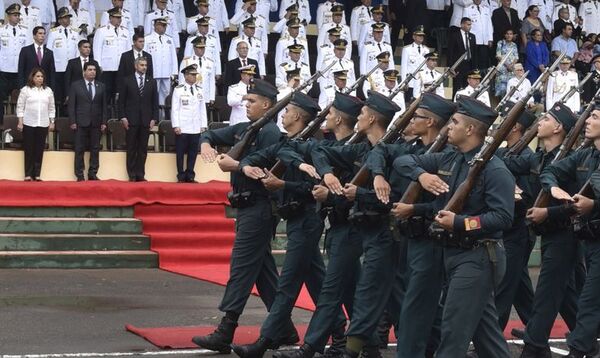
(324, 15)
(295, 62)
(366, 30)
(281, 25)
(188, 118)
(458, 7)
(427, 76)
(369, 52)
(292, 81)
(218, 11)
(473, 80)
(559, 83)
(205, 66)
(523, 88)
(30, 15)
(412, 56)
(137, 9)
(325, 52)
(360, 16)
(345, 33)
(589, 11)
(13, 37)
(192, 26)
(81, 18)
(163, 13)
(571, 8)
(376, 81)
(390, 84)
(261, 24)
(63, 41)
(213, 45)
(236, 93)
(481, 27)
(520, 6)
(339, 84)
(255, 50)
(303, 8)
(87, 5)
(126, 16)
(176, 7)
(263, 7)
(164, 58)
(281, 49)
(47, 12)
(340, 63)
(110, 42)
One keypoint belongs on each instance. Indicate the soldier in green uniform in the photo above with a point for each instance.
(472, 239)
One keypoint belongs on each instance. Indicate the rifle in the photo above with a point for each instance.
(252, 130)
(486, 81)
(315, 124)
(449, 72)
(565, 97)
(510, 93)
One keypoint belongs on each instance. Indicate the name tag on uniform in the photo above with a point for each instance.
(443, 172)
(109, 42)
(185, 102)
(58, 43)
(583, 169)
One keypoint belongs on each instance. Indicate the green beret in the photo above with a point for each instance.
(437, 105)
(381, 104)
(306, 103)
(476, 110)
(348, 104)
(263, 88)
(563, 115)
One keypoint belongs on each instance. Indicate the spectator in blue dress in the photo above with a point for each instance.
(537, 56)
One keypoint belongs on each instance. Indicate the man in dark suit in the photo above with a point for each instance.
(504, 18)
(87, 114)
(457, 45)
(127, 62)
(74, 70)
(138, 110)
(36, 55)
(232, 74)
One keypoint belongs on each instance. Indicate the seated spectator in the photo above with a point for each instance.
(563, 19)
(537, 56)
(586, 52)
(505, 72)
(530, 23)
(36, 113)
(522, 89)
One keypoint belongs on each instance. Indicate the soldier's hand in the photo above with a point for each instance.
(102, 127)
(208, 153)
(227, 163)
(445, 219)
(125, 123)
(350, 191)
(402, 210)
(333, 183)
(271, 182)
(310, 170)
(320, 193)
(559, 194)
(382, 189)
(582, 204)
(433, 184)
(152, 123)
(177, 130)
(51, 127)
(253, 172)
(537, 215)
(74, 126)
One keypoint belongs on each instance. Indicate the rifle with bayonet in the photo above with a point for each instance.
(252, 130)
(510, 93)
(486, 82)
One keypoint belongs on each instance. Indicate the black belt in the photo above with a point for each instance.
(452, 240)
(586, 229)
(416, 227)
(368, 217)
(290, 209)
(241, 200)
(549, 226)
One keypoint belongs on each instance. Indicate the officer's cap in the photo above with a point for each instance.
(248, 69)
(293, 8)
(340, 44)
(63, 12)
(202, 2)
(432, 56)
(263, 88)
(563, 115)
(293, 23)
(419, 30)
(378, 9)
(341, 75)
(297, 48)
(203, 21)
(595, 59)
(191, 69)
(337, 9)
(378, 26)
(161, 20)
(249, 22)
(199, 41)
(565, 60)
(294, 73)
(526, 119)
(335, 31)
(115, 11)
(476, 110)
(391, 75)
(13, 9)
(437, 105)
(348, 104)
(251, 2)
(383, 57)
(475, 74)
(306, 103)
(381, 104)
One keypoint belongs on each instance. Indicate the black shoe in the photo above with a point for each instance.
(349, 354)
(142, 179)
(531, 351)
(131, 179)
(289, 336)
(305, 351)
(93, 177)
(518, 333)
(191, 181)
(254, 350)
(37, 179)
(220, 340)
(338, 343)
(574, 353)
(80, 179)
(370, 352)
(383, 330)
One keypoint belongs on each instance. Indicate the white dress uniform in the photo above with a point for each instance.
(521, 7)
(483, 97)
(369, 52)
(126, 20)
(218, 11)
(137, 10)
(481, 18)
(109, 45)
(412, 56)
(172, 25)
(491, 4)
(281, 73)
(424, 79)
(360, 16)
(206, 74)
(63, 43)
(458, 7)
(303, 9)
(398, 99)
(188, 110)
(283, 92)
(11, 44)
(345, 34)
(176, 7)
(235, 100)
(80, 17)
(164, 61)
(560, 83)
(327, 95)
(192, 26)
(438, 5)
(546, 11)
(366, 33)
(340, 65)
(213, 50)
(572, 12)
(263, 7)
(255, 51)
(280, 27)
(47, 12)
(590, 13)
(87, 5)
(261, 24)
(30, 18)
(521, 91)
(282, 53)
(325, 54)
(324, 15)
(374, 82)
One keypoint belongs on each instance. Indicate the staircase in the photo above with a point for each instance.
(78, 237)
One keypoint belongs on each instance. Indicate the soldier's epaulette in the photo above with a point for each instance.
(386, 43)
(186, 58)
(324, 45)
(22, 26)
(368, 43)
(283, 64)
(179, 86)
(329, 86)
(35, 7)
(304, 63)
(54, 29)
(237, 37)
(209, 35)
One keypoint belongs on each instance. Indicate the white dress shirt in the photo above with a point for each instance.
(36, 106)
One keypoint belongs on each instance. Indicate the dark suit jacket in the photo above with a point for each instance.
(139, 110)
(28, 60)
(74, 71)
(559, 25)
(232, 75)
(127, 64)
(501, 23)
(85, 111)
(456, 48)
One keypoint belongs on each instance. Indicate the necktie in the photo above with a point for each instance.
(419, 48)
(141, 85)
(76, 14)
(192, 90)
(342, 66)
(369, 12)
(116, 31)
(478, 9)
(139, 54)
(295, 43)
(26, 11)
(250, 41)
(244, 63)
(467, 46)
(199, 62)
(90, 90)
(379, 45)
(66, 33)
(431, 72)
(160, 38)
(14, 31)
(39, 55)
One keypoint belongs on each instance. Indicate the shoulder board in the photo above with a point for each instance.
(386, 43)
(329, 86)
(283, 64)
(209, 59)
(237, 37)
(304, 64)
(150, 12)
(179, 86)
(170, 11)
(124, 10)
(123, 27)
(186, 58)
(35, 7)
(54, 29)
(369, 43)
(22, 26)
(324, 45)
(211, 36)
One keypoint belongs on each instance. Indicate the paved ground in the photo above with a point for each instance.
(46, 313)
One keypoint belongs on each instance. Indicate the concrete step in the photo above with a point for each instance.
(65, 242)
(48, 225)
(73, 212)
(78, 259)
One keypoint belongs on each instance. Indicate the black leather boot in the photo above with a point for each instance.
(531, 351)
(254, 350)
(305, 351)
(338, 343)
(288, 337)
(349, 354)
(370, 352)
(518, 333)
(220, 340)
(383, 330)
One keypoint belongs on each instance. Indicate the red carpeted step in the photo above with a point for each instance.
(160, 210)
(188, 224)
(196, 240)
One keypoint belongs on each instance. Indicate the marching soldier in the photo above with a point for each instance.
(30, 15)
(592, 86)
(236, 93)
(164, 58)
(13, 37)
(341, 63)
(293, 38)
(281, 25)
(325, 15)
(255, 50)
(205, 67)
(473, 80)
(360, 16)
(81, 18)
(161, 12)
(366, 31)
(376, 82)
(560, 82)
(261, 25)
(126, 19)
(328, 92)
(412, 56)
(213, 45)
(263, 7)
(303, 8)
(337, 12)
(390, 83)
(368, 53)
(192, 25)
(428, 76)
(295, 53)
